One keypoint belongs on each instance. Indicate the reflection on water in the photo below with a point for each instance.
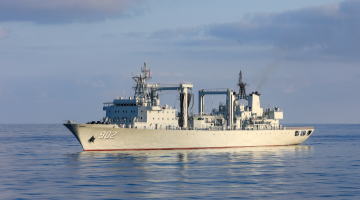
(39, 161)
(175, 173)
(182, 155)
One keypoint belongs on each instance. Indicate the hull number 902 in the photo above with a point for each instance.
(107, 135)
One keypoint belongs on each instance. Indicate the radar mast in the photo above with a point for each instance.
(242, 90)
(142, 92)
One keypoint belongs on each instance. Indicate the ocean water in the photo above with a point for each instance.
(47, 162)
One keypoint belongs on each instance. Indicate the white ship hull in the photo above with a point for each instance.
(109, 137)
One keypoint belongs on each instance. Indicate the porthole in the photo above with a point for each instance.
(123, 111)
(140, 117)
(296, 133)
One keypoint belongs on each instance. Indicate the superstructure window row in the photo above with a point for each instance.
(124, 111)
(126, 104)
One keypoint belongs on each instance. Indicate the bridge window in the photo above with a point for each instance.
(303, 133)
(309, 133)
(296, 133)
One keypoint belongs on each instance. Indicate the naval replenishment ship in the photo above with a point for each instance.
(141, 123)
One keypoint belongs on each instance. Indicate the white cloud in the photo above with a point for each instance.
(178, 74)
(330, 30)
(169, 33)
(3, 32)
(63, 11)
(290, 89)
(92, 83)
(163, 73)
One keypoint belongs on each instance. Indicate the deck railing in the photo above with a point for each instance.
(215, 90)
(297, 128)
(215, 128)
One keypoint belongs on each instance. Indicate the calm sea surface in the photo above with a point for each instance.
(47, 162)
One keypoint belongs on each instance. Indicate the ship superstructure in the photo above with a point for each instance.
(144, 124)
(143, 111)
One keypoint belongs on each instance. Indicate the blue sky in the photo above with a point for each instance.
(63, 59)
